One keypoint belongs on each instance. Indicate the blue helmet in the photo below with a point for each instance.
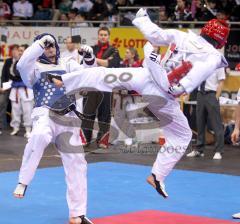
(43, 57)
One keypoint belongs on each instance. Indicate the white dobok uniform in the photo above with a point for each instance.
(152, 83)
(22, 105)
(46, 130)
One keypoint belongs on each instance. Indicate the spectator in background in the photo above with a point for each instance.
(182, 11)
(72, 16)
(64, 19)
(80, 20)
(21, 99)
(5, 11)
(227, 5)
(126, 16)
(82, 5)
(208, 109)
(48, 4)
(71, 50)
(235, 13)
(197, 9)
(99, 10)
(131, 58)
(22, 9)
(163, 16)
(222, 14)
(64, 6)
(42, 13)
(209, 11)
(99, 103)
(4, 94)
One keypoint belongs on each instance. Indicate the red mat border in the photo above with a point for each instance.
(158, 217)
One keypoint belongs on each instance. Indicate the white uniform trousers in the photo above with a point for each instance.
(45, 131)
(21, 108)
(164, 106)
(22, 105)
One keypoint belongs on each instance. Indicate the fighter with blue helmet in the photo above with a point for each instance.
(42, 57)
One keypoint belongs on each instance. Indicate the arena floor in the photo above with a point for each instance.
(201, 190)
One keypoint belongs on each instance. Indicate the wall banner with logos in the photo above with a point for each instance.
(25, 35)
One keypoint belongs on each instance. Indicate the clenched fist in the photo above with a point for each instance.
(85, 49)
(46, 41)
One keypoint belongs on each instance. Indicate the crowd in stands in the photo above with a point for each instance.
(78, 11)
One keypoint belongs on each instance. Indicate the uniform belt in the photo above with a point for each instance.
(64, 111)
(208, 91)
(68, 109)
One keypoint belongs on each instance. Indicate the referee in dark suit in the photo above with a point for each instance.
(208, 110)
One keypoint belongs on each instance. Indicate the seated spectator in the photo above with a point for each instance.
(5, 11)
(48, 4)
(72, 16)
(63, 18)
(107, 22)
(210, 10)
(163, 16)
(197, 9)
(80, 20)
(127, 16)
(222, 14)
(22, 9)
(182, 11)
(235, 15)
(43, 13)
(65, 6)
(227, 5)
(131, 58)
(82, 5)
(99, 10)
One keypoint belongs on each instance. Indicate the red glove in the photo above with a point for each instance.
(178, 73)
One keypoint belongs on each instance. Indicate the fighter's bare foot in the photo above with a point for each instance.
(150, 180)
(20, 190)
(80, 220)
(75, 220)
(160, 187)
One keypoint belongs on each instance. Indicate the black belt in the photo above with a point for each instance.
(68, 109)
(207, 92)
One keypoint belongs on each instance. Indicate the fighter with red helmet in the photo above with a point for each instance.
(189, 60)
(199, 57)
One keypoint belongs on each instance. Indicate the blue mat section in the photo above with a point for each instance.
(119, 188)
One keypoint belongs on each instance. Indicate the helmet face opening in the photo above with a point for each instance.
(217, 30)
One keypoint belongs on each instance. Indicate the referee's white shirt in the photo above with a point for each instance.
(213, 81)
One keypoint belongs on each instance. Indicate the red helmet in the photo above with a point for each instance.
(218, 30)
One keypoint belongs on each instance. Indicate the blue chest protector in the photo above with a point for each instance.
(47, 94)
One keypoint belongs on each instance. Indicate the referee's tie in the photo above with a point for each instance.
(202, 87)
